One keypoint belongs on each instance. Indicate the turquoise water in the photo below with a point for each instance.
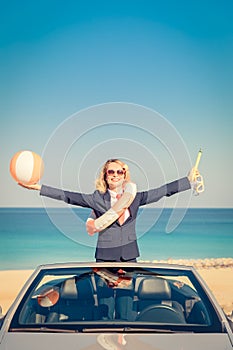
(28, 237)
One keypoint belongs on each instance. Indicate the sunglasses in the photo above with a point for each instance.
(118, 172)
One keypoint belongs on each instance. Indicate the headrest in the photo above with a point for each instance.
(154, 288)
(138, 280)
(80, 289)
(69, 289)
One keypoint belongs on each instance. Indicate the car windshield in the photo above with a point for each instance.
(93, 298)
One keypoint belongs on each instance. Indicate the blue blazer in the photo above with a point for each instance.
(116, 242)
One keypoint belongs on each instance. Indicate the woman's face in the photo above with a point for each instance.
(115, 176)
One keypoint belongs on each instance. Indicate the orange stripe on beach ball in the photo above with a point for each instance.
(49, 297)
(26, 167)
(38, 168)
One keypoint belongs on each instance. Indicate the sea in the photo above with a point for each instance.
(33, 236)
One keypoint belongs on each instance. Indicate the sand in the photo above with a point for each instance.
(11, 283)
(220, 282)
(218, 276)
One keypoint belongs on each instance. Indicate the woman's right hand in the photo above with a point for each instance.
(36, 187)
(90, 226)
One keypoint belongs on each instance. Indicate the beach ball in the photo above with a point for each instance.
(26, 167)
(48, 297)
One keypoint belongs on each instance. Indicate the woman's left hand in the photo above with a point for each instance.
(192, 175)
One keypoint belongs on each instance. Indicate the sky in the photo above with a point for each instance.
(150, 82)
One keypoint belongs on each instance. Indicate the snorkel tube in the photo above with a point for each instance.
(196, 178)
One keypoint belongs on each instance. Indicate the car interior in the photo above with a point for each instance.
(114, 295)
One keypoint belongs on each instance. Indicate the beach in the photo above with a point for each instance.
(217, 273)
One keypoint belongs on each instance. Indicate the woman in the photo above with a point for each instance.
(117, 242)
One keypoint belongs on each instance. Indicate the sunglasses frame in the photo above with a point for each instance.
(113, 172)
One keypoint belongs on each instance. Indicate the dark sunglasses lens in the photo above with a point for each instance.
(112, 172)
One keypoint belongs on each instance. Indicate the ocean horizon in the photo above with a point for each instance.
(33, 236)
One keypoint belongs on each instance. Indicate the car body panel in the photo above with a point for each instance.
(109, 341)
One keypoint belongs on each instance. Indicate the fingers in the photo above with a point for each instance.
(30, 187)
(194, 172)
(90, 227)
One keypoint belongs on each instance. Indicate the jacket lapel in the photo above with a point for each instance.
(107, 200)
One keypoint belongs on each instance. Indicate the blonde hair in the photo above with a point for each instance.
(101, 183)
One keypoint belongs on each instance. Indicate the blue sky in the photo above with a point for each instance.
(59, 59)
